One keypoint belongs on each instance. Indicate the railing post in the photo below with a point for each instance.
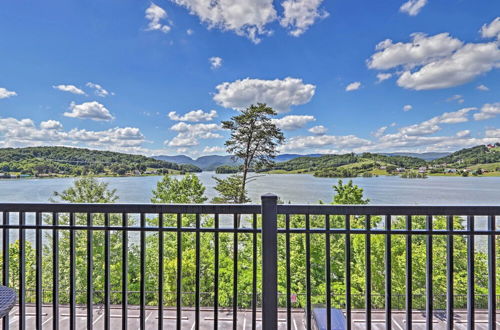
(269, 262)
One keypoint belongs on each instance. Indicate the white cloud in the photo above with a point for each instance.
(24, 132)
(215, 62)
(51, 124)
(214, 149)
(245, 18)
(421, 50)
(154, 14)
(487, 111)
(464, 65)
(435, 62)
(383, 76)
(431, 126)
(482, 88)
(299, 15)
(353, 86)
(4, 93)
(193, 116)
(99, 90)
(188, 134)
(381, 131)
(278, 94)
(339, 142)
(293, 122)
(493, 133)
(413, 7)
(491, 30)
(318, 130)
(89, 110)
(407, 107)
(457, 97)
(463, 133)
(69, 88)
(190, 32)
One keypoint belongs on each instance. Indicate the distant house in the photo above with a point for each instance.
(490, 146)
(423, 168)
(400, 169)
(383, 167)
(450, 170)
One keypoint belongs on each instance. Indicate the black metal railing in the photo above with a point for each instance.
(259, 258)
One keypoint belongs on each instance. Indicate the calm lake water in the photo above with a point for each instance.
(295, 188)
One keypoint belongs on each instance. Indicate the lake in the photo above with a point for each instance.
(296, 188)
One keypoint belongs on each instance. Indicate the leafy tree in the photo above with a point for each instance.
(87, 190)
(229, 190)
(188, 190)
(348, 194)
(254, 140)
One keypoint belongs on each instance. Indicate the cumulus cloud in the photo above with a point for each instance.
(407, 107)
(299, 15)
(463, 133)
(482, 88)
(155, 14)
(293, 122)
(432, 125)
(435, 62)
(89, 110)
(412, 7)
(318, 130)
(383, 76)
(245, 18)
(297, 143)
(193, 116)
(51, 124)
(493, 133)
(4, 93)
(70, 89)
(213, 149)
(381, 131)
(457, 97)
(488, 111)
(353, 86)
(98, 89)
(421, 50)
(24, 132)
(491, 30)
(278, 94)
(188, 134)
(215, 62)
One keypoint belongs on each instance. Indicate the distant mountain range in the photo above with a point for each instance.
(210, 163)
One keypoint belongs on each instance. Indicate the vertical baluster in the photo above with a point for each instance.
(449, 272)
(72, 271)
(197, 274)
(388, 273)
(428, 273)
(288, 275)
(254, 274)
(90, 269)
(142, 293)
(22, 271)
(5, 261)
(470, 273)
(328, 274)
(107, 289)
(38, 268)
(308, 273)
(491, 273)
(55, 272)
(216, 272)
(160, 270)
(348, 270)
(179, 272)
(235, 272)
(124, 272)
(368, 274)
(409, 273)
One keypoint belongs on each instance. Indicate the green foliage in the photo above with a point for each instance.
(470, 156)
(226, 169)
(229, 190)
(87, 190)
(348, 194)
(413, 175)
(188, 190)
(254, 140)
(78, 161)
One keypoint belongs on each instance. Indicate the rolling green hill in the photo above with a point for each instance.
(471, 156)
(77, 161)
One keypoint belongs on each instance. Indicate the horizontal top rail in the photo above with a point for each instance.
(251, 209)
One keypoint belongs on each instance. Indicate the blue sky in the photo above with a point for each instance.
(158, 77)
